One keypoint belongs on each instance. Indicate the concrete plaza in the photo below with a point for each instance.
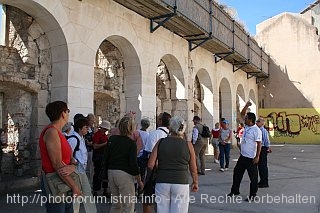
(293, 178)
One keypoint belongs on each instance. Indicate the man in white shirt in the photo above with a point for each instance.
(161, 132)
(249, 155)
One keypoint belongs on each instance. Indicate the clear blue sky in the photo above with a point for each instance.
(253, 12)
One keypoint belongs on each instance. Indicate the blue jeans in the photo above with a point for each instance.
(59, 208)
(56, 207)
(224, 154)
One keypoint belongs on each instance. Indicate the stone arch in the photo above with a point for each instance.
(252, 98)
(240, 102)
(57, 42)
(203, 97)
(117, 79)
(40, 56)
(225, 100)
(170, 87)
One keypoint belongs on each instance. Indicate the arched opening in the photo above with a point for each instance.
(203, 97)
(170, 87)
(117, 81)
(252, 98)
(240, 102)
(34, 73)
(225, 101)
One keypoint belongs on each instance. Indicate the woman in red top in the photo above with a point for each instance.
(56, 154)
(99, 143)
(239, 133)
(215, 141)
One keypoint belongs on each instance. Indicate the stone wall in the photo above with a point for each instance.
(108, 82)
(25, 67)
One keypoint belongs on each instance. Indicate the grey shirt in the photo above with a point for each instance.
(173, 161)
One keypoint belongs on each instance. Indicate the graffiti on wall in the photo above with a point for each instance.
(294, 125)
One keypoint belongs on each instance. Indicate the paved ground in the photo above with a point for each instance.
(294, 187)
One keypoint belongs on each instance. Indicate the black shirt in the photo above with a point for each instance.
(121, 154)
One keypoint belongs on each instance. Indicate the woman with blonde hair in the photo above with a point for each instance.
(175, 157)
(121, 160)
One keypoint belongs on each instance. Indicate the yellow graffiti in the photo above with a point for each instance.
(293, 125)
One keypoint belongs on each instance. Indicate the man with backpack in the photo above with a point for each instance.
(200, 137)
(80, 154)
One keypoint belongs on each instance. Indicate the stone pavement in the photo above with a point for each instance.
(294, 179)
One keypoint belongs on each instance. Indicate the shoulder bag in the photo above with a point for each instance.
(56, 187)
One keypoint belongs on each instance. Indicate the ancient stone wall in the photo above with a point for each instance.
(25, 66)
(108, 82)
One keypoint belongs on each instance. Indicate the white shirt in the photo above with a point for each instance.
(82, 154)
(251, 135)
(195, 133)
(154, 136)
(144, 137)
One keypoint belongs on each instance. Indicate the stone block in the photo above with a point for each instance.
(45, 57)
(43, 42)
(42, 98)
(35, 30)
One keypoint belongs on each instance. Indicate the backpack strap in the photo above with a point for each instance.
(164, 131)
(77, 146)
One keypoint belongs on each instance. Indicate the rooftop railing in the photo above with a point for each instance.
(205, 23)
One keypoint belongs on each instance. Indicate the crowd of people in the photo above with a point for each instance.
(129, 155)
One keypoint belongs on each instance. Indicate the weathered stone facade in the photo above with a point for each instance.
(25, 66)
(101, 58)
(108, 82)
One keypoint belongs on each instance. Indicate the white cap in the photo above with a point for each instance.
(105, 125)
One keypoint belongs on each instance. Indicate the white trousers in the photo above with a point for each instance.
(172, 198)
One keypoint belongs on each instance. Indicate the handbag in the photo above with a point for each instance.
(56, 187)
(150, 185)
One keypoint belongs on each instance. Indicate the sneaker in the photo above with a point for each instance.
(226, 169)
(221, 170)
(216, 161)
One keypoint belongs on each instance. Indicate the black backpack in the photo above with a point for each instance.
(77, 146)
(205, 132)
